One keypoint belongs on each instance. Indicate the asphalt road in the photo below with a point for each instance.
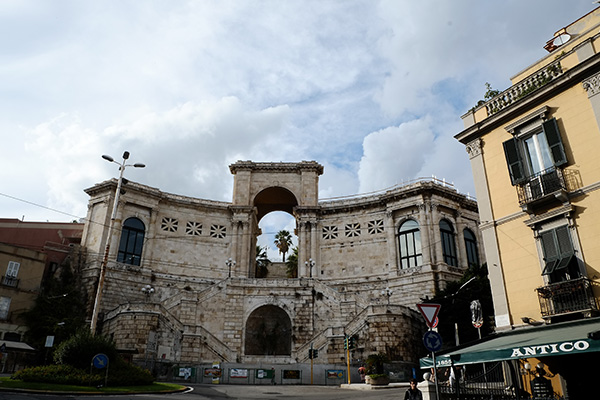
(232, 392)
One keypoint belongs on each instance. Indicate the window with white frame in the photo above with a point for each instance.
(409, 243)
(13, 269)
(534, 151)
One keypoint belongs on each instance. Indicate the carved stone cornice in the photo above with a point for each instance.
(592, 85)
(474, 148)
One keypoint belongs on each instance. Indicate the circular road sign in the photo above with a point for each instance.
(432, 341)
(100, 360)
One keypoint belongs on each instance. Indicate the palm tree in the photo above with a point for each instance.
(292, 264)
(283, 241)
(262, 262)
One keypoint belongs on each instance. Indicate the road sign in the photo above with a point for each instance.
(432, 341)
(429, 312)
(100, 360)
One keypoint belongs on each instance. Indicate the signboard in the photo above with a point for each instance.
(429, 312)
(186, 372)
(238, 373)
(432, 341)
(265, 373)
(100, 361)
(49, 341)
(291, 374)
(476, 314)
(335, 373)
(212, 372)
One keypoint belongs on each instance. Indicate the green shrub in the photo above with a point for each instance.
(59, 374)
(80, 349)
(123, 373)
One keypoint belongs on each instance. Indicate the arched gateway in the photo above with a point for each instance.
(260, 188)
(375, 256)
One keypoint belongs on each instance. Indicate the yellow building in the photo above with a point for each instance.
(534, 154)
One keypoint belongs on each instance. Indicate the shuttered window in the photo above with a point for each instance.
(528, 156)
(559, 256)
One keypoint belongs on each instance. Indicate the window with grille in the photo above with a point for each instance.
(409, 244)
(132, 242)
(4, 308)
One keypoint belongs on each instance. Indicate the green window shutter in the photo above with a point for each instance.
(551, 254)
(555, 142)
(514, 161)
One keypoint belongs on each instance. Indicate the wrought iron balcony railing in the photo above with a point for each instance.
(10, 281)
(543, 184)
(566, 297)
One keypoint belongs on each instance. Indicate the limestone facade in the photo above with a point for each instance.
(203, 310)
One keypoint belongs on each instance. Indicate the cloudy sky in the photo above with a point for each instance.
(373, 90)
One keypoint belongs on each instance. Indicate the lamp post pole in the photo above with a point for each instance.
(230, 263)
(113, 216)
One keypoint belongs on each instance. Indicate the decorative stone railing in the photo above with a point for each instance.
(524, 87)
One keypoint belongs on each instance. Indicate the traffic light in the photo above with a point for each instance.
(313, 353)
(345, 342)
(352, 343)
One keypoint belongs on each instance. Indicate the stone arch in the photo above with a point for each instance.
(260, 188)
(268, 332)
(274, 198)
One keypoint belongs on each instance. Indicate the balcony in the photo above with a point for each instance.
(542, 186)
(10, 281)
(523, 88)
(572, 296)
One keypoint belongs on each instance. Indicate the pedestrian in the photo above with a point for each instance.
(362, 372)
(413, 393)
(273, 377)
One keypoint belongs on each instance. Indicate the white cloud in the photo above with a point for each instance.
(190, 87)
(395, 154)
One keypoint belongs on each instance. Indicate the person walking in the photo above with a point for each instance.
(413, 393)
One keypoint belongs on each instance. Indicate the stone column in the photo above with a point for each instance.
(426, 249)
(313, 247)
(489, 234)
(302, 248)
(391, 236)
(244, 264)
(461, 250)
(434, 232)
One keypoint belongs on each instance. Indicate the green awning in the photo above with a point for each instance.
(550, 340)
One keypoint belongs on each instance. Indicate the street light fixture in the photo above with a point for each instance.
(387, 292)
(148, 290)
(229, 262)
(310, 264)
(98, 298)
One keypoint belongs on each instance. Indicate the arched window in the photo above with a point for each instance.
(471, 247)
(132, 242)
(409, 242)
(448, 244)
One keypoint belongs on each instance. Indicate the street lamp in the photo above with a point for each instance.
(147, 290)
(387, 292)
(229, 262)
(310, 264)
(98, 298)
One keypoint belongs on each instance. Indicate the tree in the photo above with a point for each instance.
(292, 264)
(455, 311)
(262, 262)
(283, 241)
(59, 310)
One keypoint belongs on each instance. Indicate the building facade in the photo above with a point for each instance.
(533, 151)
(364, 262)
(29, 253)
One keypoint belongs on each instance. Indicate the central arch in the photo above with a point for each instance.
(260, 188)
(268, 332)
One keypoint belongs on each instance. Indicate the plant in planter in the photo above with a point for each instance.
(375, 372)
